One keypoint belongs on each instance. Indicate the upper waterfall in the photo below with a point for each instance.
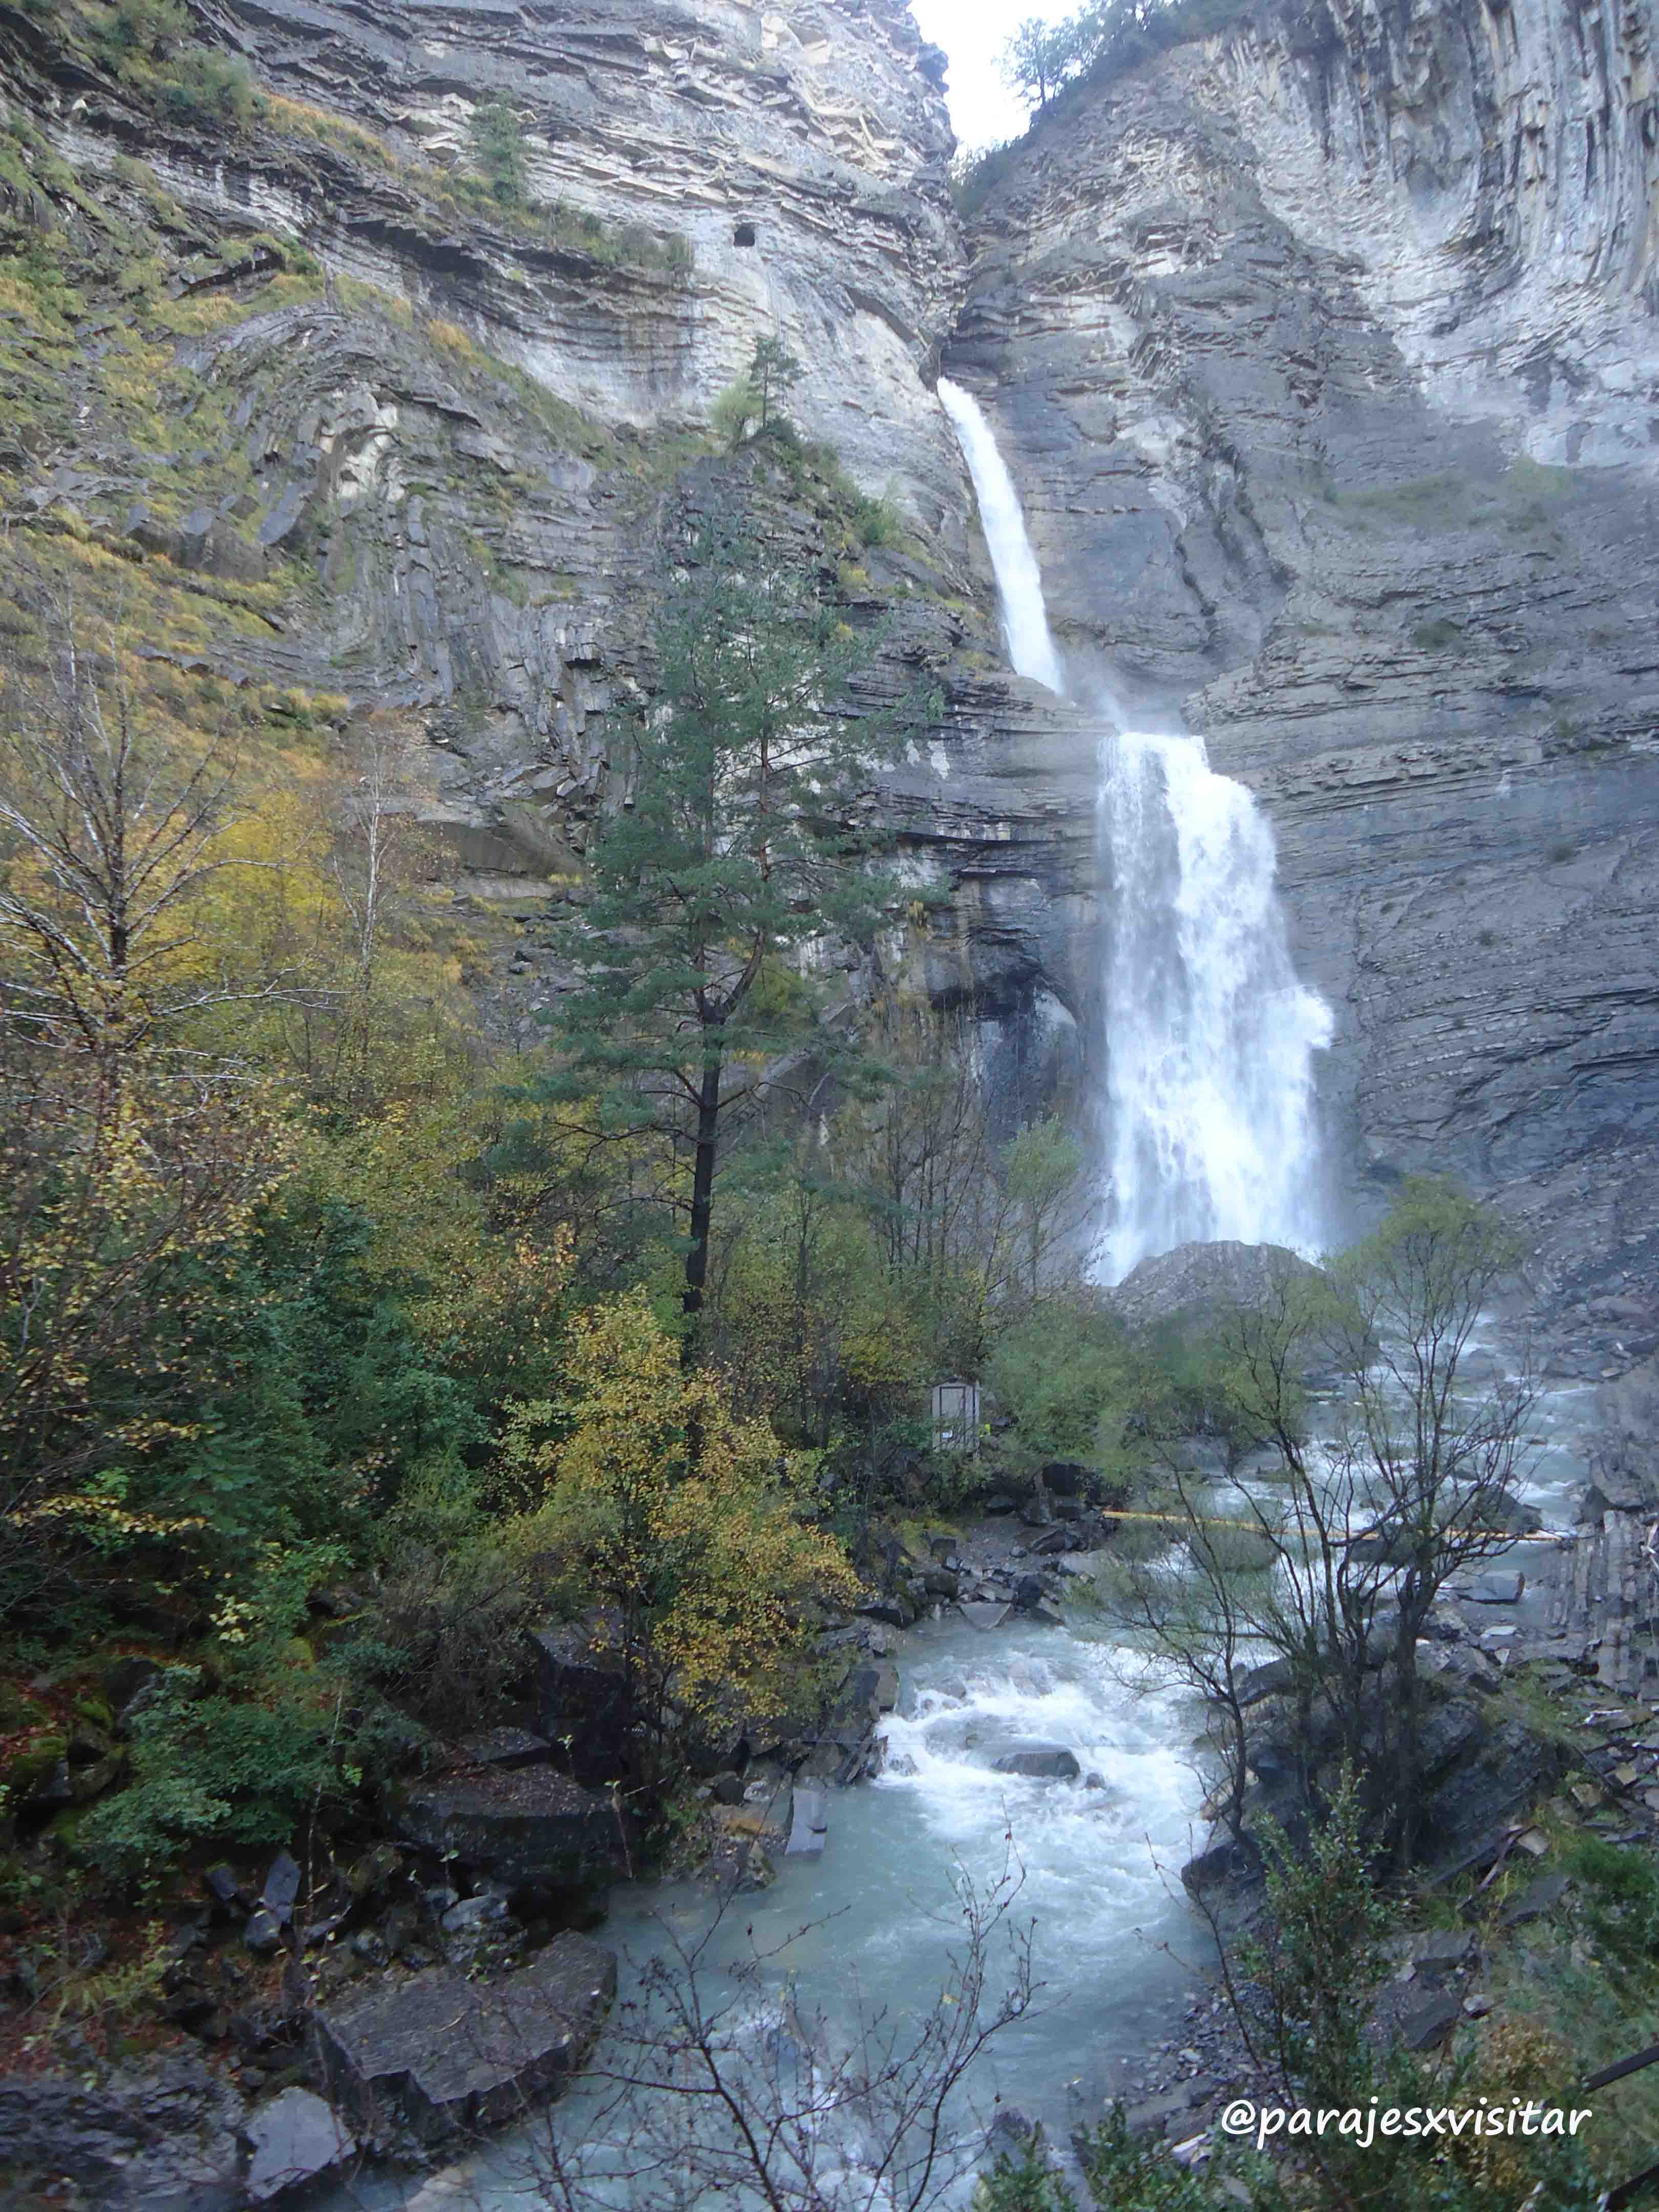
(1019, 579)
(1205, 1117)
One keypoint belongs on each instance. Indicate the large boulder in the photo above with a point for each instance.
(582, 1702)
(293, 2142)
(1044, 1762)
(529, 1826)
(442, 2056)
(1198, 1279)
(1498, 1773)
(152, 2136)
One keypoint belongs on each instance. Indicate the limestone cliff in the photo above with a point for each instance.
(1323, 349)
(363, 433)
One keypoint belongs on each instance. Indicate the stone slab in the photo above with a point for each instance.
(978, 1614)
(293, 2140)
(809, 1824)
(446, 2056)
(521, 1825)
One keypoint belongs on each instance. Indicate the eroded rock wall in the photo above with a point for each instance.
(1324, 352)
(798, 150)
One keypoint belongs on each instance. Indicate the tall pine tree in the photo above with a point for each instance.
(744, 848)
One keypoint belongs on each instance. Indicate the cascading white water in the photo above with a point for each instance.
(1206, 1116)
(1208, 1120)
(1019, 579)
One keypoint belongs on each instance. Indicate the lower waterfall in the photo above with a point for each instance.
(1204, 1111)
(1206, 1124)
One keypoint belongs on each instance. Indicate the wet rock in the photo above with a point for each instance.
(505, 1746)
(983, 1613)
(1441, 1952)
(809, 1824)
(282, 1889)
(224, 1889)
(370, 1873)
(1496, 1775)
(154, 2136)
(1194, 1279)
(998, 1504)
(1625, 1462)
(1156, 2115)
(263, 1934)
(1276, 1679)
(894, 1607)
(1541, 1895)
(444, 2056)
(1010, 2129)
(471, 1914)
(525, 1826)
(1066, 1478)
(1223, 1864)
(1029, 1592)
(293, 2140)
(1425, 2026)
(1042, 1761)
(1500, 1587)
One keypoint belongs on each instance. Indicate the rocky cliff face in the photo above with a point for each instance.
(1324, 352)
(369, 435)
(798, 153)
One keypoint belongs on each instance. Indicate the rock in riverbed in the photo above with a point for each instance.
(1047, 1762)
(526, 1826)
(441, 2055)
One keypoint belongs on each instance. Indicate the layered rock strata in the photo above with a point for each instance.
(1323, 350)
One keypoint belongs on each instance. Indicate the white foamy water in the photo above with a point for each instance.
(1090, 1848)
(1206, 1120)
(1019, 579)
(869, 1928)
(1205, 1116)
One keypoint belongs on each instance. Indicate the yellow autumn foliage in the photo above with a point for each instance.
(680, 1519)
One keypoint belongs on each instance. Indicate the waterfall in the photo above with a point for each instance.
(1205, 1119)
(1019, 579)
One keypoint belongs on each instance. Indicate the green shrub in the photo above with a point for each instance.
(203, 85)
(456, 1587)
(150, 30)
(1621, 1898)
(497, 140)
(1025, 2181)
(1059, 1372)
(239, 1773)
(733, 411)
(876, 520)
